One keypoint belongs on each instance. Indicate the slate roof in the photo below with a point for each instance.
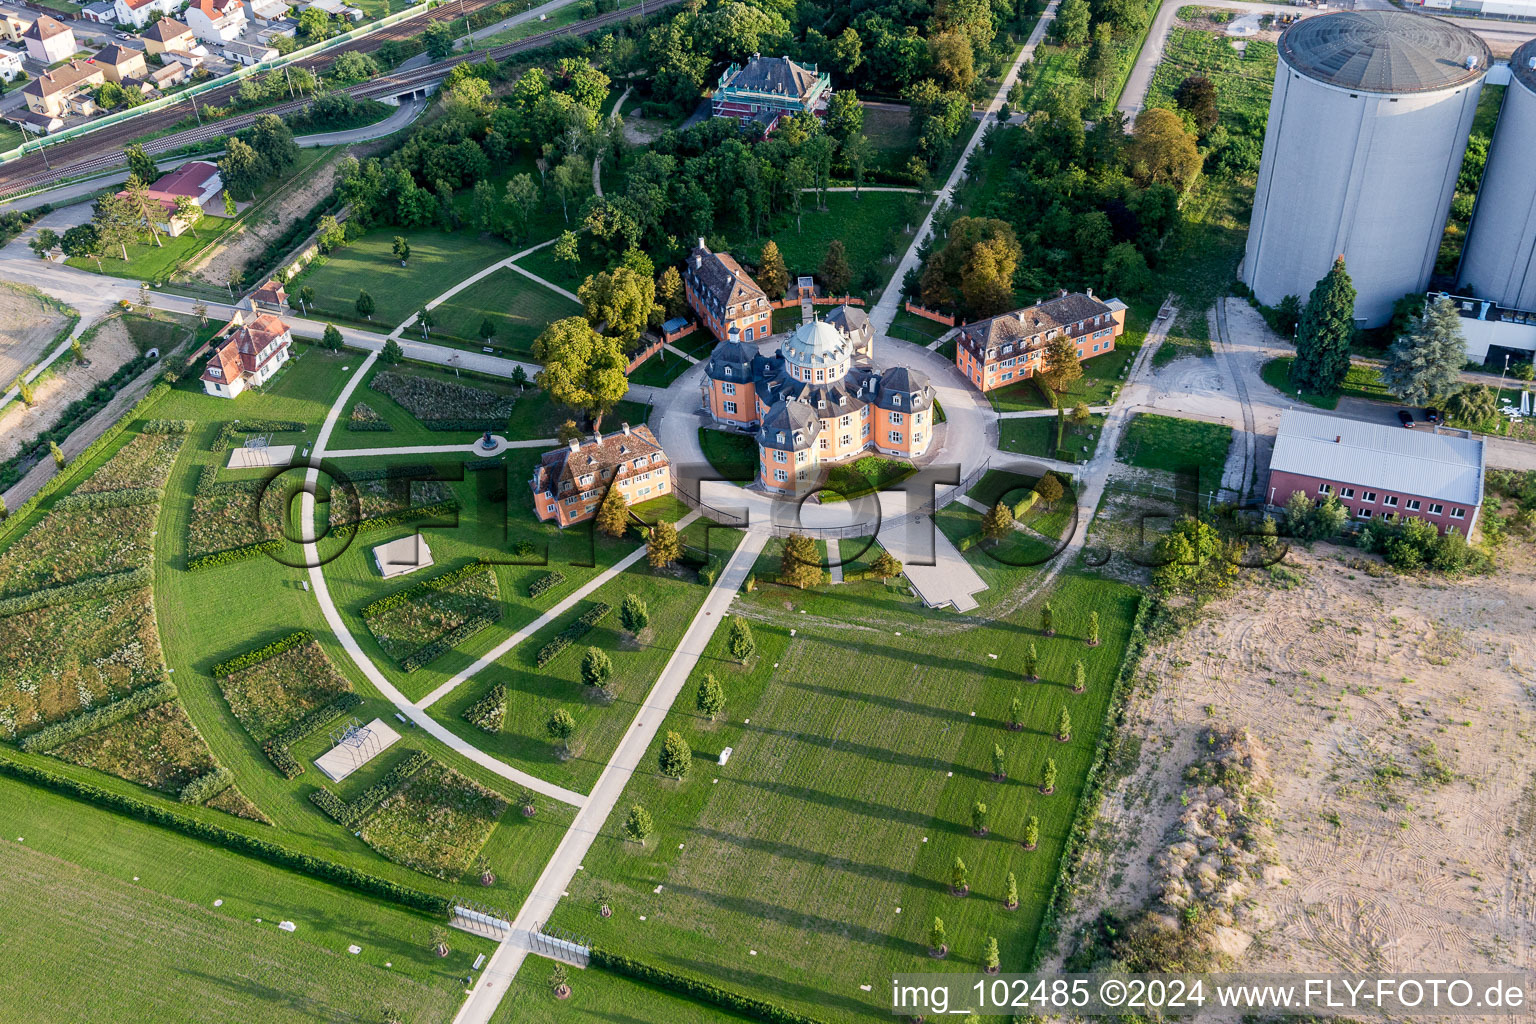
(1417, 462)
(849, 318)
(1384, 51)
(559, 469)
(164, 30)
(778, 75)
(721, 279)
(1053, 314)
(781, 423)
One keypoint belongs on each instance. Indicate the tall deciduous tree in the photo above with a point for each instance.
(1163, 150)
(1062, 365)
(582, 369)
(620, 303)
(669, 292)
(801, 564)
(885, 566)
(1072, 19)
(613, 513)
(115, 222)
(1424, 364)
(1326, 329)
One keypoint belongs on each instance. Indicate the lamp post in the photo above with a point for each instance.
(1500, 401)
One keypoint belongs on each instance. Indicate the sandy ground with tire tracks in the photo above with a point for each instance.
(1398, 713)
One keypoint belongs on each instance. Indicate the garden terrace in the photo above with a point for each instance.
(436, 823)
(407, 623)
(76, 544)
(846, 798)
(274, 694)
(159, 747)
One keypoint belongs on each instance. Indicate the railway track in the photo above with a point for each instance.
(102, 150)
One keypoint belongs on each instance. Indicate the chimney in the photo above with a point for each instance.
(574, 444)
(597, 437)
(624, 427)
(1090, 293)
(252, 301)
(1061, 294)
(733, 335)
(1338, 438)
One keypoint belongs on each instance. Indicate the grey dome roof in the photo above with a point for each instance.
(1384, 51)
(904, 379)
(816, 343)
(1521, 61)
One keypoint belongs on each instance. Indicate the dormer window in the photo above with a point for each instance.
(728, 372)
(895, 399)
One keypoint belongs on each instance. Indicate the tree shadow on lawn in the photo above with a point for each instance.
(753, 909)
(873, 753)
(877, 872)
(894, 703)
(735, 978)
(867, 808)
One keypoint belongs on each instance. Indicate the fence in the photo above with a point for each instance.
(645, 354)
(559, 945)
(929, 314)
(821, 300)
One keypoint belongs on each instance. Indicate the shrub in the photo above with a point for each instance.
(545, 582)
(350, 815)
(165, 426)
(97, 586)
(570, 634)
(430, 652)
(276, 748)
(693, 988)
(231, 555)
(86, 722)
(205, 787)
(633, 613)
(107, 499)
(271, 650)
(490, 711)
(364, 418)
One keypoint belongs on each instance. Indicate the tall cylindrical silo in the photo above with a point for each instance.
(1499, 262)
(1367, 127)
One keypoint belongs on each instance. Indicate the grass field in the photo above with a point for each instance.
(1189, 448)
(916, 329)
(1243, 80)
(734, 456)
(848, 796)
(150, 262)
(872, 227)
(1102, 377)
(1359, 382)
(438, 261)
(519, 308)
(135, 905)
(1036, 435)
(598, 997)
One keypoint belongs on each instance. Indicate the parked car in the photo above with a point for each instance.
(1405, 418)
(1431, 415)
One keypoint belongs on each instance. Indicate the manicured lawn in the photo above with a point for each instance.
(1002, 485)
(660, 370)
(567, 275)
(519, 308)
(1178, 446)
(598, 997)
(872, 227)
(150, 262)
(864, 476)
(137, 903)
(786, 319)
(1101, 379)
(1359, 382)
(1036, 435)
(917, 329)
(855, 763)
(438, 261)
(733, 456)
(892, 141)
(533, 415)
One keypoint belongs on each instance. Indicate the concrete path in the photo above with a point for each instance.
(890, 299)
(498, 974)
(938, 343)
(468, 282)
(1033, 414)
(530, 275)
(679, 352)
(496, 653)
(472, 448)
(349, 643)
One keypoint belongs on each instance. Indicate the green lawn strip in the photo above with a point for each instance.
(150, 262)
(1036, 435)
(438, 261)
(1002, 485)
(209, 616)
(1102, 377)
(786, 319)
(917, 329)
(1360, 382)
(812, 836)
(1003, 565)
(1189, 448)
(771, 558)
(535, 693)
(599, 997)
(868, 475)
(138, 901)
(660, 370)
(519, 308)
(733, 456)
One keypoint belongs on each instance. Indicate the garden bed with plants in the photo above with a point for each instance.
(158, 747)
(456, 604)
(372, 499)
(443, 404)
(436, 823)
(145, 461)
(71, 544)
(225, 516)
(277, 692)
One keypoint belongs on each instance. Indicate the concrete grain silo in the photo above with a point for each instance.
(1367, 127)
(1499, 262)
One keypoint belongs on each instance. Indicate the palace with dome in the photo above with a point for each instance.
(819, 399)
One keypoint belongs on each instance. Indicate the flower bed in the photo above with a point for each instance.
(364, 417)
(145, 461)
(377, 498)
(443, 404)
(433, 609)
(225, 516)
(58, 660)
(436, 823)
(158, 747)
(70, 545)
(276, 693)
(490, 711)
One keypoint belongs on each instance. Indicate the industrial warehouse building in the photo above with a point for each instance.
(1378, 471)
(1499, 262)
(1367, 126)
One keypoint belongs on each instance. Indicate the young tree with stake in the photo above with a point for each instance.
(999, 763)
(711, 697)
(675, 757)
(1093, 629)
(959, 878)
(938, 942)
(1047, 620)
(1016, 713)
(978, 819)
(638, 826)
(739, 639)
(1011, 892)
(1079, 677)
(560, 726)
(1048, 777)
(1032, 832)
(1031, 663)
(1064, 725)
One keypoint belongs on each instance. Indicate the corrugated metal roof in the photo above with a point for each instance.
(1349, 451)
(1384, 51)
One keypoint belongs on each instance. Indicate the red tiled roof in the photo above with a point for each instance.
(186, 180)
(559, 470)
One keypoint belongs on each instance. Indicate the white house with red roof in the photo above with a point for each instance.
(138, 12)
(216, 21)
(248, 355)
(197, 179)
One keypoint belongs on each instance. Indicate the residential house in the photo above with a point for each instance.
(335, 8)
(170, 37)
(11, 63)
(724, 296)
(49, 40)
(816, 402)
(138, 12)
(268, 12)
(218, 22)
(1009, 347)
(570, 483)
(248, 53)
(118, 62)
(14, 25)
(29, 121)
(170, 76)
(62, 91)
(248, 355)
(103, 12)
(271, 295)
(767, 89)
(197, 180)
(1376, 470)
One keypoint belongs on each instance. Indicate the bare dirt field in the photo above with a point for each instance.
(251, 237)
(1395, 714)
(108, 350)
(27, 327)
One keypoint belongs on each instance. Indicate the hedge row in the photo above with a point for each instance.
(400, 518)
(226, 435)
(693, 988)
(236, 842)
(430, 652)
(205, 787)
(570, 634)
(350, 815)
(83, 590)
(57, 734)
(108, 499)
(271, 650)
(410, 593)
(466, 424)
(276, 748)
(490, 711)
(413, 471)
(166, 426)
(20, 514)
(229, 555)
(364, 426)
(543, 583)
